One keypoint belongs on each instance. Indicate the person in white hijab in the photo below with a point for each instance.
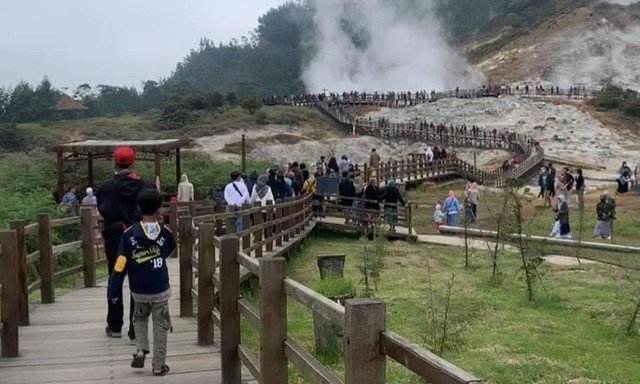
(185, 190)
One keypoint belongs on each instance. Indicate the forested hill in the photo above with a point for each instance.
(270, 61)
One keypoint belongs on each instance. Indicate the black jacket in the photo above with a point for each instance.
(391, 195)
(371, 196)
(347, 189)
(118, 198)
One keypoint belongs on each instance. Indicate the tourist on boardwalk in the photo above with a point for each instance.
(69, 204)
(374, 162)
(309, 186)
(358, 204)
(261, 191)
(392, 197)
(332, 166)
(438, 217)
(117, 204)
(90, 201)
(347, 193)
(185, 190)
(429, 155)
(568, 182)
(236, 195)
(605, 214)
(318, 193)
(343, 164)
(451, 209)
(371, 203)
(143, 254)
(580, 188)
(472, 198)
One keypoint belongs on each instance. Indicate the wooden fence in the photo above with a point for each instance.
(211, 278)
(33, 244)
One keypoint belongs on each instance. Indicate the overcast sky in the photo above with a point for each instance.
(117, 42)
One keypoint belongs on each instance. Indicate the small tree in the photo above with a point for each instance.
(372, 261)
(251, 104)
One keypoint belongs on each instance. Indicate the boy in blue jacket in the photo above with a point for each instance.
(143, 253)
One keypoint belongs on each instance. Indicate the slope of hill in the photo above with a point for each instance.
(585, 46)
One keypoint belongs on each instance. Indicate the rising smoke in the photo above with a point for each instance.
(380, 45)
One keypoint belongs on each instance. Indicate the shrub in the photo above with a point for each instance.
(11, 139)
(631, 107)
(335, 287)
(261, 118)
(611, 97)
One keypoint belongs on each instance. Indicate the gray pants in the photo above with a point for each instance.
(161, 325)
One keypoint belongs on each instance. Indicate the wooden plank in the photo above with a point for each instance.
(250, 312)
(427, 365)
(206, 268)
(31, 229)
(65, 221)
(9, 307)
(68, 272)
(364, 321)
(229, 315)
(249, 262)
(273, 321)
(47, 292)
(249, 361)
(33, 257)
(34, 286)
(257, 234)
(62, 248)
(331, 310)
(309, 366)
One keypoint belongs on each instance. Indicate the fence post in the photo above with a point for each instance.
(257, 234)
(186, 272)
(246, 224)
(286, 220)
(229, 314)
(363, 323)
(268, 231)
(173, 216)
(10, 291)
(273, 321)
(206, 268)
(23, 291)
(88, 255)
(192, 209)
(278, 230)
(47, 291)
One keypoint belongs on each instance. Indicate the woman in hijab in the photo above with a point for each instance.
(562, 216)
(451, 208)
(185, 190)
(371, 202)
(391, 197)
(261, 191)
(605, 214)
(357, 205)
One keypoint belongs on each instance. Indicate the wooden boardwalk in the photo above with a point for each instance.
(66, 343)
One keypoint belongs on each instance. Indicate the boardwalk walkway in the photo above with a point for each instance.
(65, 343)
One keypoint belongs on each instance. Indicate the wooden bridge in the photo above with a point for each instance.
(62, 340)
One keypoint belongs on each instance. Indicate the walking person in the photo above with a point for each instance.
(391, 197)
(69, 203)
(185, 190)
(451, 209)
(562, 216)
(358, 204)
(605, 214)
(580, 189)
(347, 194)
(236, 195)
(438, 217)
(91, 201)
(142, 255)
(374, 162)
(261, 192)
(473, 197)
(371, 203)
(118, 205)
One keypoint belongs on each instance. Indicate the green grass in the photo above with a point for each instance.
(575, 330)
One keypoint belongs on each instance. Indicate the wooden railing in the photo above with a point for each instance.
(16, 256)
(211, 278)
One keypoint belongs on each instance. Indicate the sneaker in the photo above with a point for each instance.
(162, 371)
(110, 333)
(138, 360)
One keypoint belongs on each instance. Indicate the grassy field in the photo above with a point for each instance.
(574, 332)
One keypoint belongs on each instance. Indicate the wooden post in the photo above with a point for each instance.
(23, 292)
(273, 321)
(286, 220)
(90, 170)
(206, 268)
(10, 292)
(192, 209)
(178, 166)
(363, 323)
(257, 234)
(88, 255)
(47, 291)
(408, 214)
(173, 216)
(230, 224)
(229, 314)
(156, 162)
(186, 273)
(268, 231)
(278, 230)
(246, 223)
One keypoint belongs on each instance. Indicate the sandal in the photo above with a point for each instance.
(162, 371)
(138, 359)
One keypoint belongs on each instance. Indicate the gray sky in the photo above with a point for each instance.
(117, 42)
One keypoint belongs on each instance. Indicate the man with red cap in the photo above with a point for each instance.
(117, 203)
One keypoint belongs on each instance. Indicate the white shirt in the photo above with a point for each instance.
(267, 197)
(185, 192)
(237, 197)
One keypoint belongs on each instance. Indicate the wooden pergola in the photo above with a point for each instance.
(91, 150)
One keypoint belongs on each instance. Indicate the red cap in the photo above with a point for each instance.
(124, 156)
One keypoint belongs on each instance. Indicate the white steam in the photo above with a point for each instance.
(378, 45)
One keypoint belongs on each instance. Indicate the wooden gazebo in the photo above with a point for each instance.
(90, 150)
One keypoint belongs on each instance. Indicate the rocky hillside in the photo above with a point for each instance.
(585, 46)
